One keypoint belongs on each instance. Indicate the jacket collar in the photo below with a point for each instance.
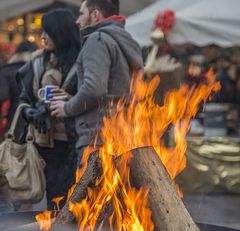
(116, 20)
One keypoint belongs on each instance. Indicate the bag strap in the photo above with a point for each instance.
(30, 134)
(10, 133)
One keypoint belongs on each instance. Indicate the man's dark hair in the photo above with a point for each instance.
(107, 7)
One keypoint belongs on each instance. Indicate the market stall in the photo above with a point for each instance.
(199, 22)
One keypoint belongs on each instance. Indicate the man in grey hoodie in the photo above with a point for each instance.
(106, 61)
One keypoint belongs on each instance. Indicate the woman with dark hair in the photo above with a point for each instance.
(53, 65)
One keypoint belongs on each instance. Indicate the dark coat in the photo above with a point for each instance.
(10, 88)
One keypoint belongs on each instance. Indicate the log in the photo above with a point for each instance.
(102, 223)
(147, 170)
(79, 193)
(168, 210)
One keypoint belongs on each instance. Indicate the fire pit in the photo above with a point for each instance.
(14, 221)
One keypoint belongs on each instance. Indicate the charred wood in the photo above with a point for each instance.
(80, 191)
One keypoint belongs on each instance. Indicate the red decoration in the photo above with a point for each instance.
(7, 47)
(3, 120)
(164, 21)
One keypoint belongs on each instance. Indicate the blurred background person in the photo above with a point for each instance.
(226, 74)
(10, 89)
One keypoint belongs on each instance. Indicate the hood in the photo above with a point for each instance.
(20, 57)
(115, 28)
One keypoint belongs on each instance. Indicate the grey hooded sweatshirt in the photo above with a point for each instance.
(108, 57)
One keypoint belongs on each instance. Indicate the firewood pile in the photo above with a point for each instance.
(147, 171)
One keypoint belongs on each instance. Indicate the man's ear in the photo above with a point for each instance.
(96, 15)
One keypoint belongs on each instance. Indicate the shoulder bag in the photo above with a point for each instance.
(22, 165)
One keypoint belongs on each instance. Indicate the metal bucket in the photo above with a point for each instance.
(15, 220)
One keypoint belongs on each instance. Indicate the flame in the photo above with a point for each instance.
(44, 220)
(137, 123)
(57, 201)
(132, 124)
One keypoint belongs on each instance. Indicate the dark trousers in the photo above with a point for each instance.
(79, 156)
(60, 171)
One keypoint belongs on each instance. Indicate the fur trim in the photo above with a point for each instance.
(37, 53)
(20, 57)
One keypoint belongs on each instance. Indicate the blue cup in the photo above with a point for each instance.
(44, 93)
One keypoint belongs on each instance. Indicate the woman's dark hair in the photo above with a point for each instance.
(60, 25)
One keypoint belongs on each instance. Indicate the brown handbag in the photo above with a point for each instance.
(22, 165)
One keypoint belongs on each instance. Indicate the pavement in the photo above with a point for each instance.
(221, 210)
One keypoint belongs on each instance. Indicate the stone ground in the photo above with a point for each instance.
(222, 210)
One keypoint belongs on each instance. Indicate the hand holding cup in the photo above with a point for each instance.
(58, 94)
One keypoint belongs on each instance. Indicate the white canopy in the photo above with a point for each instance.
(200, 22)
(12, 8)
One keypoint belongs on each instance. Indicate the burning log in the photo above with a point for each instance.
(80, 191)
(168, 210)
(146, 171)
(103, 219)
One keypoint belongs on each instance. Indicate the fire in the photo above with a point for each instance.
(57, 201)
(44, 220)
(137, 123)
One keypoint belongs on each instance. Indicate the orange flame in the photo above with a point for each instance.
(57, 201)
(136, 123)
(44, 220)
